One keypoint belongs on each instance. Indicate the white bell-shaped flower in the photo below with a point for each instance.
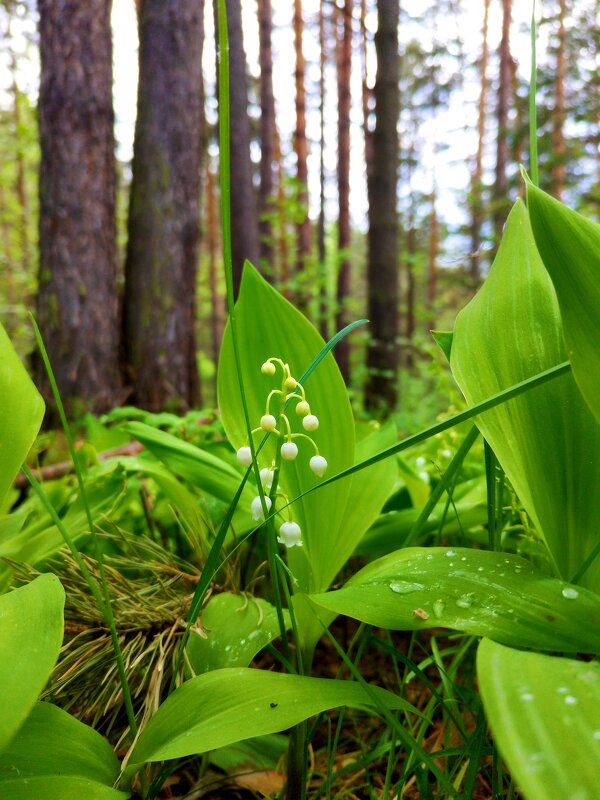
(257, 509)
(289, 451)
(318, 464)
(290, 534)
(268, 422)
(266, 477)
(244, 456)
(310, 422)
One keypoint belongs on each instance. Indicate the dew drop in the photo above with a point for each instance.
(429, 557)
(464, 558)
(526, 697)
(596, 735)
(570, 593)
(570, 700)
(450, 553)
(465, 601)
(480, 569)
(438, 608)
(562, 689)
(405, 587)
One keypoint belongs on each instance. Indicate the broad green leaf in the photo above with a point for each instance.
(58, 787)
(273, 327)
(546, 440)
(31, 632)
(229, 705)
(569, 245)
(21, 413)
(544, 713)
(234, 629)
(480, 592)
(52, 745)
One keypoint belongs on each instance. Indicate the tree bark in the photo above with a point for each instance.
(559, 113)
(504, 87)
(382, 268)
(344, 67)
(244, 213)
(321, 252)
(162, 252)
(476, 194)
(303, 243)
(267, 140)
(77, 305)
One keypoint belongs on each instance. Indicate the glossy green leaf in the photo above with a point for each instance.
(569, 245)
(234, 629)
(480, 592)
(273, 327)
(52, 746)
(546, 440)
(544, 713)
(31, 632)
(21, 413)
(229, 705)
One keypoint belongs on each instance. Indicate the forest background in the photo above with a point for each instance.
(375, 153)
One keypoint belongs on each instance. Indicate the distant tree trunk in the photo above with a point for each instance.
(559, 113)
(367, 94)
(212, 242)
(432, 254)
(321, 252)
(502, 150)
(267, 140)
(344, 66)
(382, 269)
(244, 214)
(77, 304)
(476, 194)
(283, 249)
(411, 290)
(303, 244)
(162, 251)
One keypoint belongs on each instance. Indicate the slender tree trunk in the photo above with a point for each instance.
(367, 94)
(411, 291)
(322, 255)
(476, 195)
(162, 252)
(77, 305)
(245, 242)
(502, 149)
(283, 247)
(303, 244)
(559, 114)
(212, 242)
(267, 140)
(432, 254)
(382, 270)
(344, 67)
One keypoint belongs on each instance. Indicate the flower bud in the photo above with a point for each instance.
(268, 368)
(289, 451)
(290, 383)
(268, 422)
(310, 422)
(257, 509)
(266, 477)
(244, 456)
(290, 534)
(302, 408)
(318, 465)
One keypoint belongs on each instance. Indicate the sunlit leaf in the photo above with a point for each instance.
(234, 629)
(21, 413)
(480, 592)
(229, 705)
(56, 755)
(273, 327)
(544, 713)
(546, 440)
(569, 245)
(31, 632)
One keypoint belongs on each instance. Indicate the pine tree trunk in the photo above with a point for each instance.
(267, 140)
(77, 304)
(476, 195)
(162, 251)
(244, 211)
(502, 150)
(321, 252)
(559, 113)
(382, 269)
(344, 67)
(303, 234)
